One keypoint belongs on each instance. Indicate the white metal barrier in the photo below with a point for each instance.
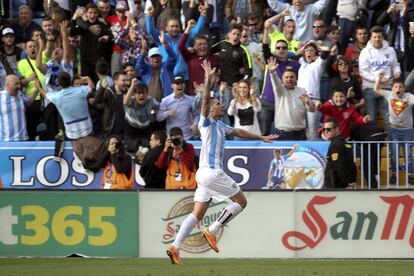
(382, 166)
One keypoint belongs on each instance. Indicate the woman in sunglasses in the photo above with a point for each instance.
(340, 74)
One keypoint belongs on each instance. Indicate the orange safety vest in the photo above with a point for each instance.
(116, 181)
(180, 177)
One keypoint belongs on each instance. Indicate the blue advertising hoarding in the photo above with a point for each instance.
(30, 165)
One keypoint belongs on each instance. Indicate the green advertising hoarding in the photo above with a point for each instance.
(61, 223)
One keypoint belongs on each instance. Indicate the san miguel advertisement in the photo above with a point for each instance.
(302, 224)
(253, 165)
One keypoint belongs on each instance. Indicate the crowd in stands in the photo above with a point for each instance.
(282, 67)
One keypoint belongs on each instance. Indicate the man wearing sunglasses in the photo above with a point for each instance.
(340, 171)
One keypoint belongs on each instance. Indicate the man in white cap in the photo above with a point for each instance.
(9, 55)
(9, 48)
(156, 74)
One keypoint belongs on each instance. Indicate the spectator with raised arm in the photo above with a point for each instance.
(62, 59)
(129, 40)
(117, 23)
(304, 14)
(29, 71)
(309, 78)
(347, 12)
(110, 99)
(345, 112)
(292, 103)
(267, 114)
(177, 109)
(287, 33)
(155, 72)
(235, 62)
(140, 114)
(377, 57)
(94, 35)
(172, 37)
(396, 17)
(195, 58)
(400, 123)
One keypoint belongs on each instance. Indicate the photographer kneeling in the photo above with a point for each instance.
(118, 174)
(178, 158)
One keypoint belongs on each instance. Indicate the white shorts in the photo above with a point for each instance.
(214, 183)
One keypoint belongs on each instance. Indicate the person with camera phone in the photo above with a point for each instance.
(118, 174)
(178, 158)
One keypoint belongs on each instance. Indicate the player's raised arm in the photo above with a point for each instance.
(205, 98)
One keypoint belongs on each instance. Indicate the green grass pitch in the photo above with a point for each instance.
(224, 267)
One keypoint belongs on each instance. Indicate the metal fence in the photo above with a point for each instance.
(384, 164)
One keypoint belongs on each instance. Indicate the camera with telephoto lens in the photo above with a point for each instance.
(176, 142)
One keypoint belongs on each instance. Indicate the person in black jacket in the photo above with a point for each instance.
(94, 35)
(235, 63)
(153, 176)
(340, 171)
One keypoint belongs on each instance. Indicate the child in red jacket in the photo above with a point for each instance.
(343, 111)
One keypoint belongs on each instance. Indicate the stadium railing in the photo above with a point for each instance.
(375, 164)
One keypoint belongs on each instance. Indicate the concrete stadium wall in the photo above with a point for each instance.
(301, 224)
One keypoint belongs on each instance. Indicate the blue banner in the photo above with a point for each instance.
(253, 165)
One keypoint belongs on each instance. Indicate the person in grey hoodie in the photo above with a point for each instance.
(378, 57)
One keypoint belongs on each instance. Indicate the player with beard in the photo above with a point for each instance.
(211, 179)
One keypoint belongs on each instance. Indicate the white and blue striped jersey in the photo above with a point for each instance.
(213, 134)
(277, 166)
(72, 105)
(12, 116)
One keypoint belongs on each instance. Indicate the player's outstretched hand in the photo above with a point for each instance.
(269, 138)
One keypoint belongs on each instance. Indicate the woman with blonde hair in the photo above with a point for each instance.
(245, 107)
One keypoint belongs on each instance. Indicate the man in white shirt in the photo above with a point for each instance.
(377, 58)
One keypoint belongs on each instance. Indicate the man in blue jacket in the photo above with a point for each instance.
(155, 72)
(172, 36)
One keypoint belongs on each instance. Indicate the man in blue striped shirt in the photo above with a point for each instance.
(211, 179)
(13, 104)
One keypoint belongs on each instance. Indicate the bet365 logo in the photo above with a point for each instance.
(68, 225)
